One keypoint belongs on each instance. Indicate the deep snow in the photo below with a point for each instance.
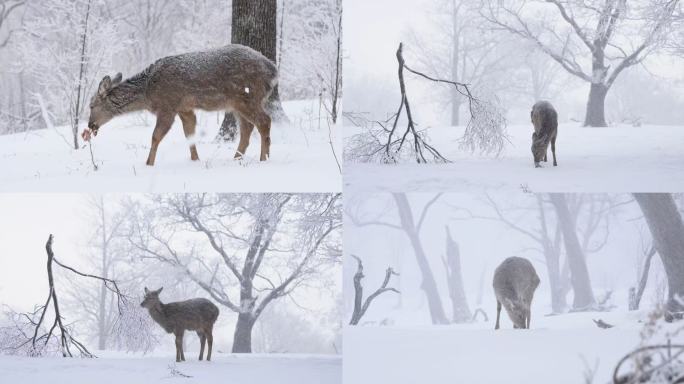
(117, 369)
(614, 159)
(301, 158)
(558, 349)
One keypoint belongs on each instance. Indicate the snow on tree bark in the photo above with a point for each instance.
(254, 24)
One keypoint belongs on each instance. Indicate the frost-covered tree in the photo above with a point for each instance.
(593, 40)
(458, 46)
(244, 250)
(77, 41)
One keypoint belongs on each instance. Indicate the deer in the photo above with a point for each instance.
(234, 78)
(515, 281)
(197, 315)
(545, 121)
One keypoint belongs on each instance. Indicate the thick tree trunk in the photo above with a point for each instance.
(459, 302)
(242, 339)
(428, 285)
(254, 24)
(595, 116)
(581, 283)
(666, 226)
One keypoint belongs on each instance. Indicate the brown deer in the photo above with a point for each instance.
(515, 281)
(545, 121)
(232, 78)
(196, 315)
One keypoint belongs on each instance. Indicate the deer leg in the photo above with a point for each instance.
(498, 314)
(527, 317)
(553, 150)
(164, 122)
(246, 128)
(179, 347)
(202, 340)
(210, 341)
(189, 121)
(263, 124)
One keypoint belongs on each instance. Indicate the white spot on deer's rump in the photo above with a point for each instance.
(246, 89)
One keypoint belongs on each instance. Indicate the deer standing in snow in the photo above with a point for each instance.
(232, 78)
(196, 315)
(515, 281)
(545, 120)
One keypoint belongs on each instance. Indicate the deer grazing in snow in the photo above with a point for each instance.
(515, 281)
(232, 78)
(545, 121)
(196, 315)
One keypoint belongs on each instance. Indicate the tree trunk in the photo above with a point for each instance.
(254, 24)
(666, 226)
(581, 283)
(104, 272)
(455, 57)
(459, 302)
(551, 251)
(242, 339)
(80, 92)
(428, 285)
(595, 116)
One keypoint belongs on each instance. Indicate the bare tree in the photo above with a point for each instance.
(452, 265)
(411, 228)
(361, 305)
(7, 8)
(616, 35)
(667, 228)
(244, 250)
(99, 306)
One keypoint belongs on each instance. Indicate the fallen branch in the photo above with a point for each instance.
(42, 336)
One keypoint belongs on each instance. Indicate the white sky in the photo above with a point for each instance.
(372, 32)
(26, 222)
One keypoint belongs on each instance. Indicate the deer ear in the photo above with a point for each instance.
(105, 85)
(159, 290)
(117, 79)
(147, 291)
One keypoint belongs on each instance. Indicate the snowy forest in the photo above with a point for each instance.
(270, 263)
(609, 270)
(55, 57)
(451, 84)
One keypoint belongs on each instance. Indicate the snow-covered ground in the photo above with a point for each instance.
(117, 369)
(558, 349)
(301, 158)
(614, 159)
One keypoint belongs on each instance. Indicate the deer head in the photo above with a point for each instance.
(151, 298)
(101, 108)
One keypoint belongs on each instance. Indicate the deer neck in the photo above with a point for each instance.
(159, 315)
(127, 97)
